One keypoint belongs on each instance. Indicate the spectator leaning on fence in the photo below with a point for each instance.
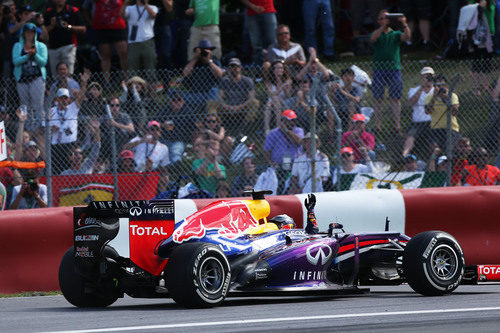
(201, 75)
(359, 139)
(30, 194)
(149, 153)
(29, 57)
(262, 23)
(479, 172)
(420, 130)
(205, 25)
(436, 105)
(208, 170)
(141, 47)
(301, 177)
(78, 165)
(387, 67)
(291, 53)
(237, 103)
(63, 23)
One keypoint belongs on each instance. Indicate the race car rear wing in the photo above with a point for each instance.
(132, 228)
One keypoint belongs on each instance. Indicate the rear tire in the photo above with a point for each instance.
(198, 275)
(73, 285)
(433, 263)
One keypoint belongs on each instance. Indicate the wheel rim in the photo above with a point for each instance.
(444, 262)
(211, 275)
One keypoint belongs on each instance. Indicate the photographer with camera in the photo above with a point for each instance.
(201, 75)
(64, 23)
(24, 15)
(421, 121)
(437, 106)
(387, 65)
(30, 194)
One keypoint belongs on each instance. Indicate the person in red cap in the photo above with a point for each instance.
(359, 139)
(282, 145)
(149, 153)
(350, 166)
(126, 163)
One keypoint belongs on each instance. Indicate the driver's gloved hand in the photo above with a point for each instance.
(310, 202)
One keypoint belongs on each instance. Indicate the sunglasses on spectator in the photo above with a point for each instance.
(112, 105)
(154, 129)
(210, 121)
(283, 33)
(346, 154)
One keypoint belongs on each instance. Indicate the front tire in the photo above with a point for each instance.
(73, 285)
(198, 275)
(433, 263)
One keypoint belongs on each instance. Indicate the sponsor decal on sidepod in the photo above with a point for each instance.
(229, 218)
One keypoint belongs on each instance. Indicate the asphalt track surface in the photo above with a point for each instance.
(385, 309)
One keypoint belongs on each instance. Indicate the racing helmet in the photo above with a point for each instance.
(283, 221)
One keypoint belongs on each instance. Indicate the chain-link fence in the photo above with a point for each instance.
(151, 135)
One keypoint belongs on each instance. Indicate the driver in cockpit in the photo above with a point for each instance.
(284, 221)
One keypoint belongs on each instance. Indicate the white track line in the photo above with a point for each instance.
(272, 320)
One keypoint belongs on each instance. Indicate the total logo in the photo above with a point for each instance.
(82, 238)
(319, 254)
(147, 231)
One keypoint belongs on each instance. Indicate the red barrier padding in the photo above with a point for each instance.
(283, 204)
(32, 243)
(470, 214)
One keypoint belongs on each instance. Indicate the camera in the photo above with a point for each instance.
(441, 90)
(32, 184)
(394, 22)
(68, 132)
(204, 53)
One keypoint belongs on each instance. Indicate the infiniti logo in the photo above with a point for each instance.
(135, 211)
(324, 252)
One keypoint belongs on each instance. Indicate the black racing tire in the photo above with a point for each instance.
(198, 275)
(73, 284)
(433, 263)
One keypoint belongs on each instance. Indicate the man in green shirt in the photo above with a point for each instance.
(205, 25)
(208, 170)
(387, 66)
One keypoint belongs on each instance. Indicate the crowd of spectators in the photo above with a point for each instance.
(142, 124)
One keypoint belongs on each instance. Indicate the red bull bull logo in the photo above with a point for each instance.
(229, 218)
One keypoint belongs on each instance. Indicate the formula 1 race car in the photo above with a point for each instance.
(136, 248)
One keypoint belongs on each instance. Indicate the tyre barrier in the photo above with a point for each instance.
(33, 242)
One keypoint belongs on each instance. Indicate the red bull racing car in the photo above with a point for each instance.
(229, 248)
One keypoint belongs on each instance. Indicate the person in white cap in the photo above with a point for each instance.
(420, 129)
(64, 124)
